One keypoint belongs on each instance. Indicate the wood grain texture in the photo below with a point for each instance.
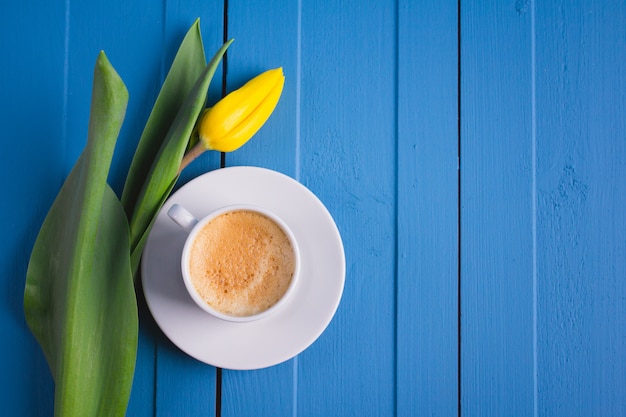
(581, 227)
(32, 173)
(497, 342)
(427, 193)
(557, 294)
(348, 158)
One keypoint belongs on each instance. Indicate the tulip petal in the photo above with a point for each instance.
(247, 128)
(237, 117)
(230, 111)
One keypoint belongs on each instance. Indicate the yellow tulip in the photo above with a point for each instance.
(234, 119)
(238, 116)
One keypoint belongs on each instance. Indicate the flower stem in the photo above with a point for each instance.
(191, 155)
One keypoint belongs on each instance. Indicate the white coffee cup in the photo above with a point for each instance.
(239, 263)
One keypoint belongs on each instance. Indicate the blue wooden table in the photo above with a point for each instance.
(472, 154)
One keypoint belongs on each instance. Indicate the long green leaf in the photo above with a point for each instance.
(79, 299)
(187, 66)
(164, 171)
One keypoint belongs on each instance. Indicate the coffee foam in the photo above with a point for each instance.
(241, 263)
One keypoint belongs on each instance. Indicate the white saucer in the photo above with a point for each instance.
(270, 340)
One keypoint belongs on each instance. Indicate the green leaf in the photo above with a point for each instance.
(135, 257)
(79, 299)
(164, 170)
(187, 66)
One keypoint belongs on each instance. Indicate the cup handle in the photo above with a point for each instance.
(182, 217)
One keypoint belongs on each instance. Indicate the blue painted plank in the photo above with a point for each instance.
(185, 386)
(427, 235)
(264, 39)
(497, 362)
(348, 158)
(263, 392)
(32, 116)
(581, 195)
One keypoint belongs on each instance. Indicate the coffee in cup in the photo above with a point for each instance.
(240, 262)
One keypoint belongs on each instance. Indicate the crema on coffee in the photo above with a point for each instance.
(241, 263)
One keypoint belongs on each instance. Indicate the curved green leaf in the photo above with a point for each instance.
(164, 170)
(187, 66)
(79, 299)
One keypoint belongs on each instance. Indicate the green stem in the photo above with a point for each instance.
(191, 155)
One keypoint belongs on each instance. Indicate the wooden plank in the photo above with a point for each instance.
(264, 39)
(185, 386)
(348, 158)
(32, 171)
(497, 362)
(581, 227)
(427, 294)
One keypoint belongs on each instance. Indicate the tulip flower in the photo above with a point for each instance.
(234, 119)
